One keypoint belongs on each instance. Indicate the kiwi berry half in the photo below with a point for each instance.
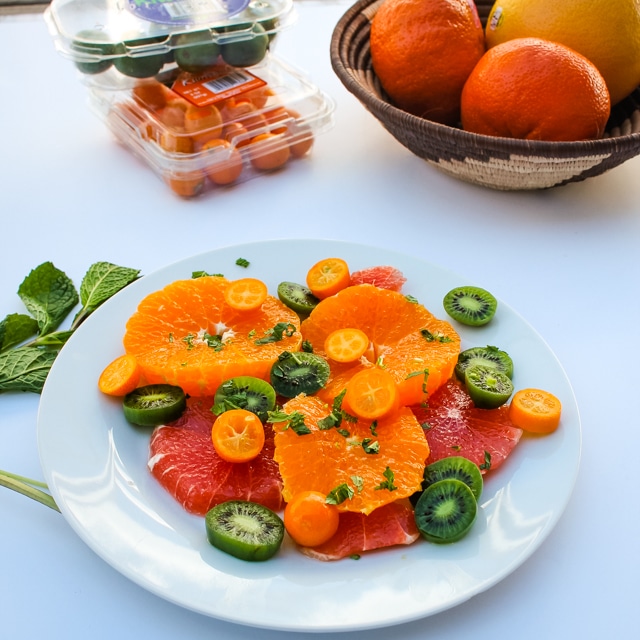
(297, 297)
(245, 392)
(245, 530)
(299, 372)
(154, 404)
(446, 511)
(487, 387)
(490, 356)
(468, 305)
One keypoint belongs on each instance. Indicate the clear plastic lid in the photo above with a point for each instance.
(198, 132)
(140, 36)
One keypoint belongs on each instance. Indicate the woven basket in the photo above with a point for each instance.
(499, 163)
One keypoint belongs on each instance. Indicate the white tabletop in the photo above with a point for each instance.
(566, 259)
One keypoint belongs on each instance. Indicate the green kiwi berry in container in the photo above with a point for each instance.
(111, 43)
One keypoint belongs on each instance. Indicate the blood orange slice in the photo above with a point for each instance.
(407, 339)
(385, 277)
(183, 460)
(454, 427)
(188, 336)
(378, 462)
(390, 525)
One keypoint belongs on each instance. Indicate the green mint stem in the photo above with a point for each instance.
(26, 487)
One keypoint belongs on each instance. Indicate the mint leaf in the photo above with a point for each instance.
(102, 281)
(49, 296)
(25, 369)
(16, 328)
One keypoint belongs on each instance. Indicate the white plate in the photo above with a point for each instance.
(95, 465)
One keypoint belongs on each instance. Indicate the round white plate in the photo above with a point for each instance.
(95, 465)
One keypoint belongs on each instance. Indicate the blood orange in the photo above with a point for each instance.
(391, 525)
(454, 427)
(183, 460)
(385, 277)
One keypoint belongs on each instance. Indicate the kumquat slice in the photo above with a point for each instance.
(328, 276)
(120, 377)
(237, 435)
(246, 294)
(309, 519)
(346, 345)
(535, 411)
(371, 394)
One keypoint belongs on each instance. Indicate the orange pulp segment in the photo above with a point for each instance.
(416, 348)
(187, 335)
(376, 464)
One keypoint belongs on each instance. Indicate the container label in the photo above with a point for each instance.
(185, 12)
(216, 85)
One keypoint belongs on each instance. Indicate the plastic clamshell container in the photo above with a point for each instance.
(138, 38)
(199, 133)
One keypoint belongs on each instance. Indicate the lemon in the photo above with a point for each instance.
(605, 32)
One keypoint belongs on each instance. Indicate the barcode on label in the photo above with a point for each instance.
(230, 81)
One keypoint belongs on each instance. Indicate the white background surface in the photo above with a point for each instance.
(566, 259)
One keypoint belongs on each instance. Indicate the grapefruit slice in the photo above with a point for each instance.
(406, 338)
(187, 335)
(356, 456)
(454, 427)
(385, 277)
(390, 525)
(183, 460)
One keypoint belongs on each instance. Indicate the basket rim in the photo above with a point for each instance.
(344, 31)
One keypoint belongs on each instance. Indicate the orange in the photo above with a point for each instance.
(186, 334)
(225, 166)
(605, 32)
(269, 151)
(237, 435)
(407, 340)
(534, 89)
(423, 51)
(374, 466)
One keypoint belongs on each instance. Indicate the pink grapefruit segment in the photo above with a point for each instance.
(454, 427)
(390, 525)
(183, 460)
(384, 276)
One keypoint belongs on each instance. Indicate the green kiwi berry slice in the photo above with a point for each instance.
(299, 372)
(245, 51)
(297, 297)
(446, 511)
(245, 530)
(487, 387)
(456, 467)
(468, 305)
(490, 356)
(245, 392)
(154, 404)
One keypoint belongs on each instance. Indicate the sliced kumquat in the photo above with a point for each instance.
(346, 345)
(120, 377)
(309, 519)
(327, 277)
(535, 411)
(237, 435)
(246, 294)
(371, 394)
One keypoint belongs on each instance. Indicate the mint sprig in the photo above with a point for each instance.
(49, 296)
